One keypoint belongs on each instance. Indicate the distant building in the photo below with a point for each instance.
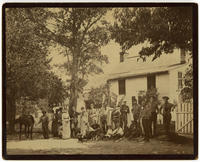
(166, 73)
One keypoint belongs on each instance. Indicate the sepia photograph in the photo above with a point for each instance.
(100, 81)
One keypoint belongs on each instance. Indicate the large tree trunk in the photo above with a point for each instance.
(74, 86)
(74, 73)
(73, 98)
(11, 112)
(10, 107)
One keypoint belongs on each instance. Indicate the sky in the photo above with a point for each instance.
(111, 50)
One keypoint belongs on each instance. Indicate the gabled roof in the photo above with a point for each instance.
(131, 69)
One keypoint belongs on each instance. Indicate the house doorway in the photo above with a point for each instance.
(151, 81)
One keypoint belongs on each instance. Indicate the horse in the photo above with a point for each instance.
(28, 122)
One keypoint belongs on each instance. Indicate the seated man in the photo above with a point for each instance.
(109, 133)
(93, 132)
(133, 131)
(118, 132)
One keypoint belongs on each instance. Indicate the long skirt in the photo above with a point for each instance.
(66, 132)
(45, 131)
(55, 128)
(84, 128)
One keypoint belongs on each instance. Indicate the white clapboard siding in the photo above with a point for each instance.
(184, 118)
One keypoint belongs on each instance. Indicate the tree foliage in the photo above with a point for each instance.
(57, 91)
(159, 29)
(80, 33)
(162, 28)
(27, 63)
(26, 55)
(187, 90)
(99, 95)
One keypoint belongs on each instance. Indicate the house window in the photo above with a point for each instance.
(121, 57)
(180, 80)
(122, 87)
(182, 56)
(151, 81)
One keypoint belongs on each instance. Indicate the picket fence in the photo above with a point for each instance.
(184, 118)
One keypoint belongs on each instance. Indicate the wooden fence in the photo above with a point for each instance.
(184, 118)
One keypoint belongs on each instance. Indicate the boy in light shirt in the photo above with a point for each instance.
(109, 132)
(118, 132)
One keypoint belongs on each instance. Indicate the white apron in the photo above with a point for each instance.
(66, 132)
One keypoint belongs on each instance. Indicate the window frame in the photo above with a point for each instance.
(180, 80)
(148, 76)
(122, 86)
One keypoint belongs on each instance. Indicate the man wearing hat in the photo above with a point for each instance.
(135, 110)
(115, 116)
(45, 121)
(146, 123)
(154, 109)
(166, 106)
(124, 111)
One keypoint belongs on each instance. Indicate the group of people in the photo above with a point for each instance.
(60, 124)
(146, 115)
(110, 123)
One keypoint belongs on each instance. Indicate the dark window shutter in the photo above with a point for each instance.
(151, 81)
(122, 87)
(180, 80)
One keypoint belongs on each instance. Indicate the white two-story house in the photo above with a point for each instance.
(131, 76)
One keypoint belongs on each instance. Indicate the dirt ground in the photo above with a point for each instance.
(157, 145)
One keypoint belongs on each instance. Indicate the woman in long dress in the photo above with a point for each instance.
(92, 115)
(83, 122)
(55, 124)
(66, 132)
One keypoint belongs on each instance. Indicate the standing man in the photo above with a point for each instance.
(166, 106)
(146, 115)
(45, 121)
(135, 111)
(124, 111)
(154, 109)
(103, 118)
(142, 107)
(115, 117)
